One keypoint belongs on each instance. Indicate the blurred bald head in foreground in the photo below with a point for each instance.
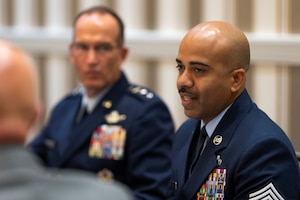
(21, 174)
(19, 101)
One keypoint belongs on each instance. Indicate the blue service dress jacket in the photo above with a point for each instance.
(247, 157)
(128, 137)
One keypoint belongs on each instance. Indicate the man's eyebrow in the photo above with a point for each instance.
(193, 63)
(198, 63)
(177, 60)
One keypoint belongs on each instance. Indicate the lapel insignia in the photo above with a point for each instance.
(108, 142)
(114, 117)
(107, 104)
(217, 140)
(214, 187)
(105, 174)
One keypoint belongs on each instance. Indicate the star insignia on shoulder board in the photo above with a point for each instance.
(142, 91)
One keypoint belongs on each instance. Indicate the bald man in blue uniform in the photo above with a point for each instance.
(243, 154)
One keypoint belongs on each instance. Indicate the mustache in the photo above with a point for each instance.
(182, 89)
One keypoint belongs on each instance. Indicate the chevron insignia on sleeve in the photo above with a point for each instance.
(269, 192)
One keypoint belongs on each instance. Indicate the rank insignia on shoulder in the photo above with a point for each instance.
(268, 190)
(142, 91)
(114, 117)
(135, 89)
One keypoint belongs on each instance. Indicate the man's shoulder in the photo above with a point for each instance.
(188, 124)
(74, 94)
(87, 185)
(184, 133)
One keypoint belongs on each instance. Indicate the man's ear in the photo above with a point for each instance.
(35, 122)
(124, 52)
(71, 56)
(238, 79)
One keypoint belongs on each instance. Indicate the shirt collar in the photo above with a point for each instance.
(91, 102)
(211, 125)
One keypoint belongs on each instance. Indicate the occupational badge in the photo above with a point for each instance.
(114, 117)
(108, 142)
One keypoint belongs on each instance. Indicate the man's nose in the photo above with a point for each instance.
(91, 55)
(184, 80)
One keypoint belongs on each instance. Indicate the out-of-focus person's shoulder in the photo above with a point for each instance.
(78, 91)
(23, 177)
(87, 186)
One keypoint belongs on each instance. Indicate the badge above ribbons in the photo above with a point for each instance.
(108, 142)
(114, 117)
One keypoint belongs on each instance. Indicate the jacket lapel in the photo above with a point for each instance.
(66, 124)
(182, 158)
(81, 134)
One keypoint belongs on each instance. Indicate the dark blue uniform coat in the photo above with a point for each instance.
(256, 153)
(139, 113)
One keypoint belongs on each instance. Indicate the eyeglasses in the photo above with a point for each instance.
(81, 49)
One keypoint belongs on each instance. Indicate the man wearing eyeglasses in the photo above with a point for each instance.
(108, 126)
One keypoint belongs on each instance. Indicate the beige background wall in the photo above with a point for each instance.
(154, 30)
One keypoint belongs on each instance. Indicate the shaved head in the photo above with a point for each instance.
(18, 93)
(224, 40)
